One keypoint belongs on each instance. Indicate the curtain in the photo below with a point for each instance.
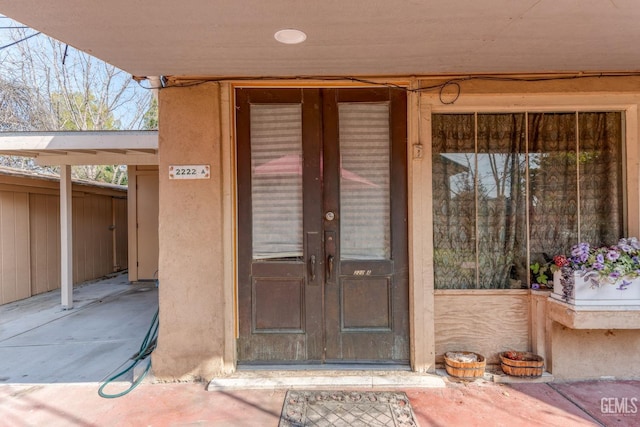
(454, 208)
(601, 184)
(553, 191)
(492, 218)
(501, 191)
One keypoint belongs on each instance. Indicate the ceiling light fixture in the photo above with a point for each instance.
(290, 36)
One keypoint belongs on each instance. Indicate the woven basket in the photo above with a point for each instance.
(467, 370)
(531, 365)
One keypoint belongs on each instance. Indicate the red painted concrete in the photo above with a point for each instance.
(611, 403)
(459, 404)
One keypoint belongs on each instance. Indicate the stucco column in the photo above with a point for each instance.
(191, 339)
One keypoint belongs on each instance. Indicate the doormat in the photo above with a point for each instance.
(346, 408)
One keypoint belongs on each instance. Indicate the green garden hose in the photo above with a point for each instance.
(148, 345)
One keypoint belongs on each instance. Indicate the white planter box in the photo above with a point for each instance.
(606, 294)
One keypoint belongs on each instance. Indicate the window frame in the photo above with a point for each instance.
(627, 105)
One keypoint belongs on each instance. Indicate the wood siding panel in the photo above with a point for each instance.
(92, 237)
(121, 249)
(30, 235)
(484, 322)
(103, 211)
(147, 221)
(22, 246)
(14, 247)
(81, 259)
(44, 217)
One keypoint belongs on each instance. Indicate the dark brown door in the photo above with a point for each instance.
(322, 207)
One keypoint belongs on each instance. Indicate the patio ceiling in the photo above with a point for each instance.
(83, 148)
(346, 38)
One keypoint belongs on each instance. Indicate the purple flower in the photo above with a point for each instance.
(623, 285)
(633, 241)
(606, 264)
(612, 255)
(535, 286)
(580, 250)
(624, 247)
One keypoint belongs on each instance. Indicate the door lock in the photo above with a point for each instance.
(329, 216)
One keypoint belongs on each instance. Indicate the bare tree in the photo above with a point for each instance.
(82, 92)
(20, 108)
(53, 86)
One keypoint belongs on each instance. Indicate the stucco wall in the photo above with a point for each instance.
(196, 260)
(594, 353)
(191, 336)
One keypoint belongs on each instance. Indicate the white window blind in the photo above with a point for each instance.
(276, 180)
(364, 181)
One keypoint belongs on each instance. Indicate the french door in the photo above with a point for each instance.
(322, 231)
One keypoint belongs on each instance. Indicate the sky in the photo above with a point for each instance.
(125, 112)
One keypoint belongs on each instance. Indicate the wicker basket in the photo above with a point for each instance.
(465, 370)
(531, 364)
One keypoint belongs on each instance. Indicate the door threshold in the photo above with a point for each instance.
(332, 377)
(324, 367)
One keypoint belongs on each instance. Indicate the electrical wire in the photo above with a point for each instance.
(454, 83)
(19, 41)
(146, 348)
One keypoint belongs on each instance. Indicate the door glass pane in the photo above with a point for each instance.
(364, 181)
(276, 180)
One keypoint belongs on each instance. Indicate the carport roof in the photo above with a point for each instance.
(83, 148)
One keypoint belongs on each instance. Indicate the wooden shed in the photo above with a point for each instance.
(30, 230)
(91, 230)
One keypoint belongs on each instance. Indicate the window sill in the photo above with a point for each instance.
(593, 317)
(481, 291)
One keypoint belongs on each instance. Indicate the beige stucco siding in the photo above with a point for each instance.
(191, 338)
(594, 353)
(197, 256)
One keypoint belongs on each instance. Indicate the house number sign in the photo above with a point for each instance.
(189, 172)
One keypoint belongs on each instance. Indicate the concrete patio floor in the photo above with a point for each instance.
(52, 363)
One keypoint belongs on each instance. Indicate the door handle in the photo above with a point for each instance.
(330, 250)
(330, 266)
(312, 268)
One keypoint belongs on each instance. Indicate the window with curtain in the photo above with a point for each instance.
(517, 188)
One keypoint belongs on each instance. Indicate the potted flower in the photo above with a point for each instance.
(542, 274)
(599, 275)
